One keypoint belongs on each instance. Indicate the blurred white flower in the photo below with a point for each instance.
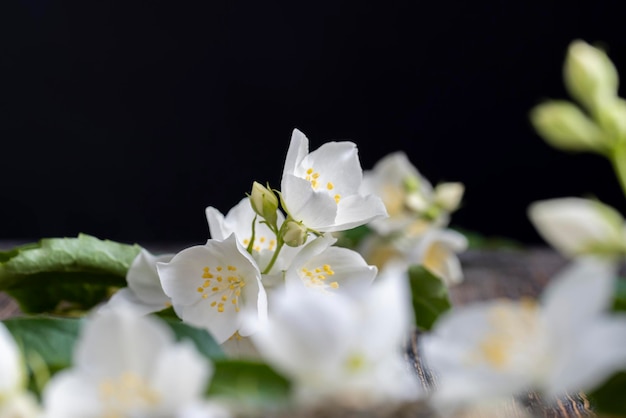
(212, 284)
(341, 349)
(576, 226)
(144, 292)
(127, 365)
(321, 188)
(327, 269)
(501, 348)
(15, 400)
(437, 250)
(409, 198)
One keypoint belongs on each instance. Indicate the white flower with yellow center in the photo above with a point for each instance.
(502, 348)
(340, 349)
(436, 249)
(127, 365)
(321, 188)
(327, 269)
(238, 221)
(409, 198)
(212, 284)
(15, 401)
(144, 292)
(576, 226)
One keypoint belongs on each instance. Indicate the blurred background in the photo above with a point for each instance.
(125, 119)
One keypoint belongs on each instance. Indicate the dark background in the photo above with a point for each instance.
(125, 119)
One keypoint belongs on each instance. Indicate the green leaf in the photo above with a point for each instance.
(353, 237)
(609, 398)
(250, 383)
(619, 296)
(52, 339)
(430, 296)
(64, 274)
(203, 341)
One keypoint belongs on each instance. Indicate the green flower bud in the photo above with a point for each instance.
(264, 202)
(294, 233)
(563, 125)
(589, 74)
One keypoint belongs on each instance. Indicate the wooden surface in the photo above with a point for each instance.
(488, 274)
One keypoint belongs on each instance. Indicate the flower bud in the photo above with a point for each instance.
(294, 233)
(264, 202)
(448, 195)
(563, 125)
(589, 74)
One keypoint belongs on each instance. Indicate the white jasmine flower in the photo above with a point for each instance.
(346, 350)
(212, 284)
(502, 348)
(144, 292)
(437, 251)
(321, 188)
(15, 401)
(322, 267)
(409, 198)
(238, 221)
(126, 365)
(577, 226)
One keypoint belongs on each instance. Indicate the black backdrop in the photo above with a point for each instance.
(125, 119)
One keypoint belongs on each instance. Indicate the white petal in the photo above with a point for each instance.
(575, 226)
(338, 163)
(436, 250)
(577, 294)
(592, 358)
(71, 395)
(221, 325)
(357, 210)
(317, 210)
(298, 149)
(305, 333)
(182, 276)
(120, 340)
(215, 219)
(143, 279)
(11, 364)
(126, 298)
(180, 375)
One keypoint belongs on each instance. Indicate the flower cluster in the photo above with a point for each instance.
(272, 305)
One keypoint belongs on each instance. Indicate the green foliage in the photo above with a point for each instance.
(430, 296)
(608, 399)
(249, 383)
(62, 275)
(203, 341)
(619, 296)
(353, 237)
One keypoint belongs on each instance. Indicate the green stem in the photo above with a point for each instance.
(618, 159)
(251, 244)
(279, 246)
